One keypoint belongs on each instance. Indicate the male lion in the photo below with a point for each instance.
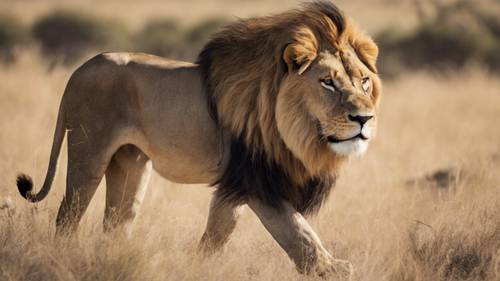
(268, 113)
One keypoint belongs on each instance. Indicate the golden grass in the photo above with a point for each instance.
(390, 229)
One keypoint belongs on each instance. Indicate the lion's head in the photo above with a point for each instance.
(298, 92)
(326, 104)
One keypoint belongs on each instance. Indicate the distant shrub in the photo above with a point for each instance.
(159, 37)
(67, 35)
(458, 34)
(12, 35)
(454, 251)
(166, 38)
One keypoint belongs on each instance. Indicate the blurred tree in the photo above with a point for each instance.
(13, 34)
(159, 37)
(168, 39)
(67, 35)
(450, 36)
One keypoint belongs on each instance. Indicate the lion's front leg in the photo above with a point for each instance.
(294, 234)
(222, 219)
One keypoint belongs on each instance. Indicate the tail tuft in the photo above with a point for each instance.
(24, 185)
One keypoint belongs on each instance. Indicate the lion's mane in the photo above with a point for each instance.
(242, 67)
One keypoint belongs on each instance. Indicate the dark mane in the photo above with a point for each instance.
(250, 175)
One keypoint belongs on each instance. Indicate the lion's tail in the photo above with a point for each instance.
(25, 183)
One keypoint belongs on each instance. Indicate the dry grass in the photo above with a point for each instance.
(386, 216)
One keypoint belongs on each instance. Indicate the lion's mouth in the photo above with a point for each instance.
(333, 139)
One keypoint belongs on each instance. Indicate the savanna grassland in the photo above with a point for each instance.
(422, 204)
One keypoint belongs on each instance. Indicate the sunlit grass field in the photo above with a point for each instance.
(422, 204)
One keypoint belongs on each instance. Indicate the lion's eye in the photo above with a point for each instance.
(328, 84)
(365, 83)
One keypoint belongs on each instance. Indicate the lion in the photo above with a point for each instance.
(267, 115)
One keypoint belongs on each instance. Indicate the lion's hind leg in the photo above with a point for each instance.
(127, 178)
(87, 162)
(222, 219)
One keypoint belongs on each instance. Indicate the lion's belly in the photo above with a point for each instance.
(180, 166)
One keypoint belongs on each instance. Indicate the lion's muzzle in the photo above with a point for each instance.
(354, 141)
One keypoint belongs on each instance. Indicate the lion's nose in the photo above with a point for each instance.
(361, 119)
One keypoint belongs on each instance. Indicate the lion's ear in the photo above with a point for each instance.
(299, 55)
(366, 50)
(295, 62)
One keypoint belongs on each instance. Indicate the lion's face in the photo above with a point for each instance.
(336, 97)
(342, 100)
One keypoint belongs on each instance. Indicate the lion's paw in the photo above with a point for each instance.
(336, 268)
